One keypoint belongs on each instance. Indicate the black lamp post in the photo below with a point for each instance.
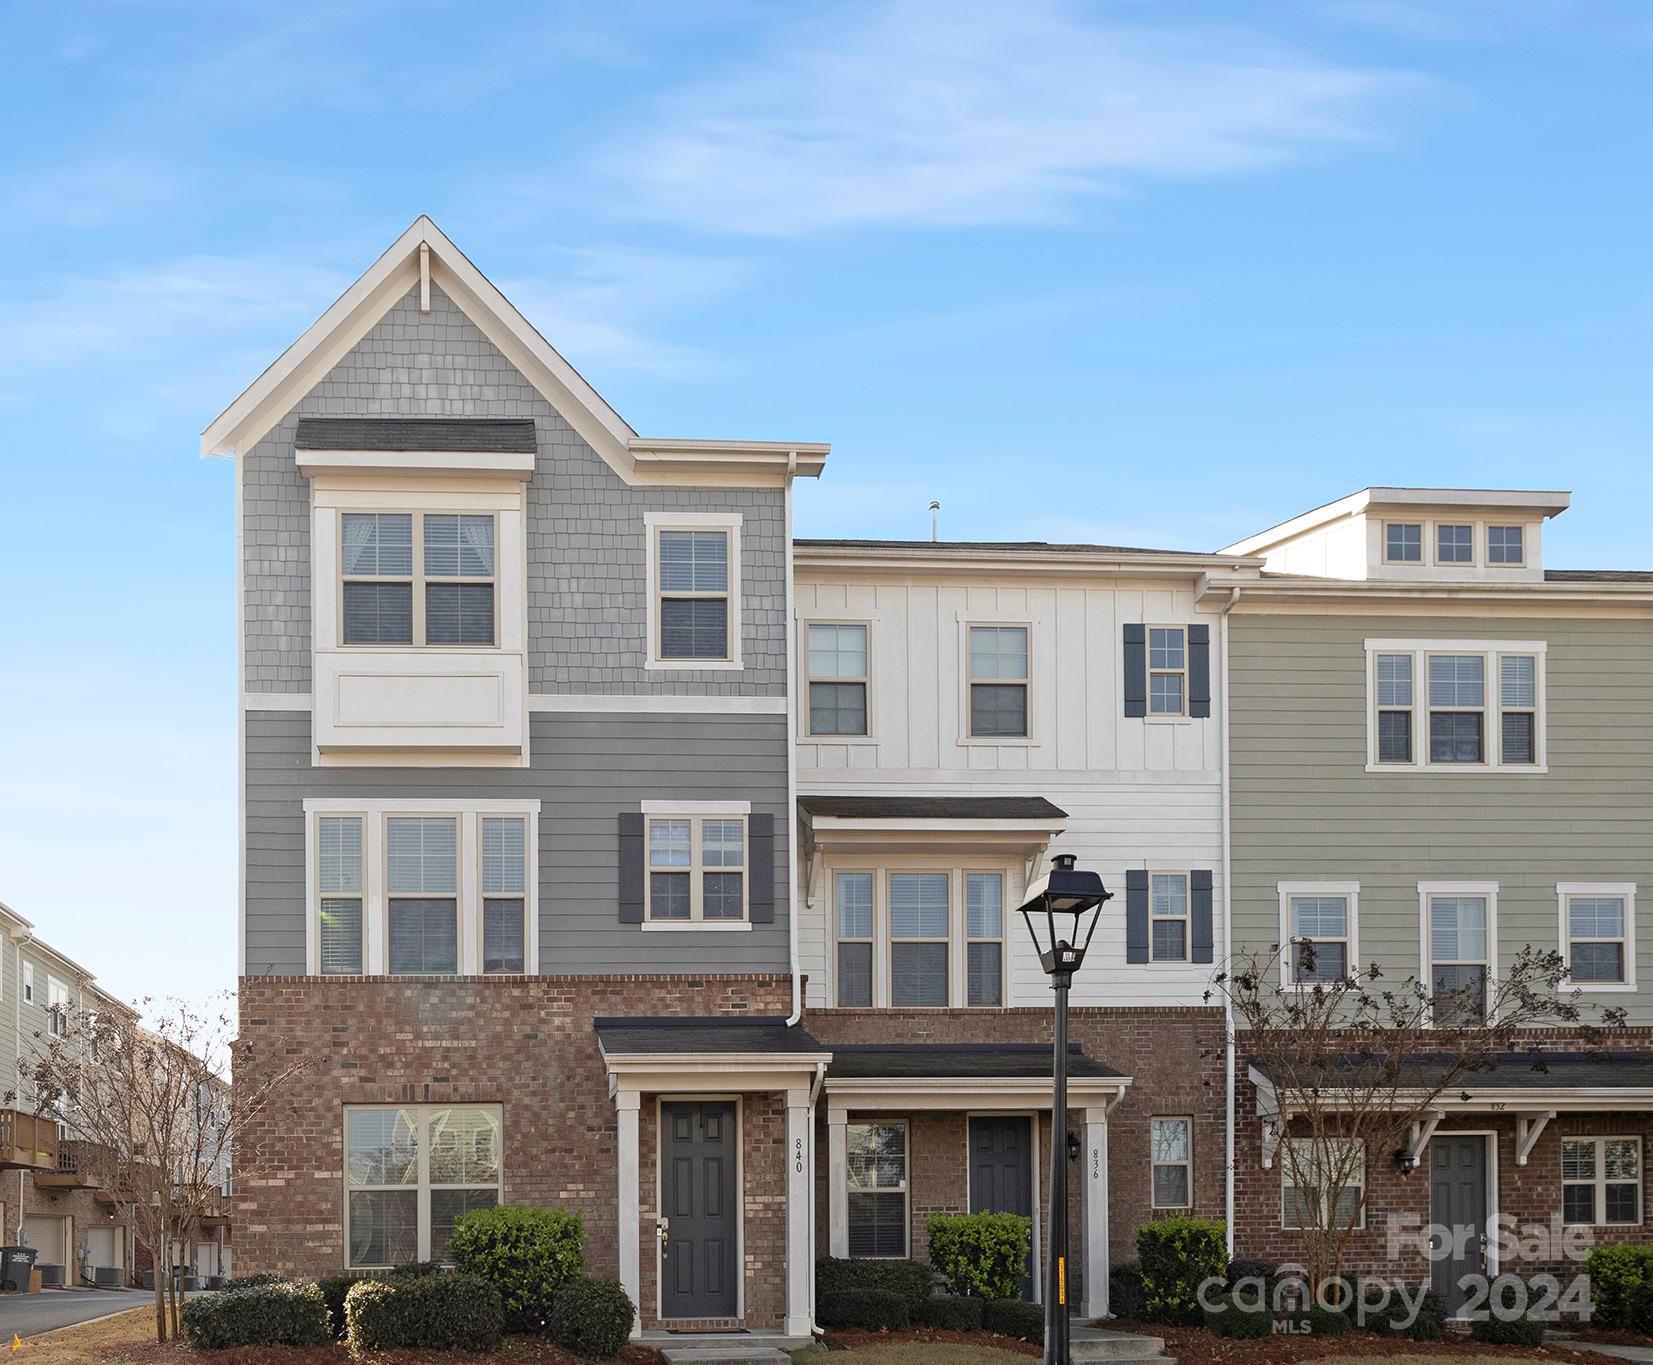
(1061, 898)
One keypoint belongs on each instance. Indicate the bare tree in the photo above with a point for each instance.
(1347, 1066)
(144, 1092)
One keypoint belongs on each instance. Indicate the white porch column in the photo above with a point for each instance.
(800, 1258)
(837, 1181)
(1096, 1212)
(629, 1230)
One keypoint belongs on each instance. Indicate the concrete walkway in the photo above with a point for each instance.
(1642, 1354)
(29, 1314)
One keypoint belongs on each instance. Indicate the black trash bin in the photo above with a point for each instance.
(15, 1265)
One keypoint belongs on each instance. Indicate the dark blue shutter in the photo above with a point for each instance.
(760, 896)
(1136, 911)
(1199, 674)
(1199, 891)
(1135, 655)
(632, 881)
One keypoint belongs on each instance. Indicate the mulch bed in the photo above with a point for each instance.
(517, 1350)
(847, 1340)
(1196, 1346)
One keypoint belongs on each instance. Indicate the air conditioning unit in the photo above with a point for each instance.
(108, 1276)
(51, 1276)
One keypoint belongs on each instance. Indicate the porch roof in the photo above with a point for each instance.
(952, 808)
(1537, 1071)
(705, 1036)
(493, 435)
(962, 1061)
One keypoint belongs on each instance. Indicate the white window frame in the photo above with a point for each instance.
(1445, 523)
(1187, 1163)
(1492, 709)
(1526, 535)
(1289, 891)
(850, 1191)
(58, 1007)
(1003, 939)
(484, 896)
(653, 524)
(870, 938)
(28, 983)
(460, 881)
(697, 813)
(1625, 891)
(806, 711)
(1601, 1182)
(966, 715)
(313, 851)
(1286, 1172)
(1186, 918)
(1423, 542)
(1150, 714)
(417, 579)
(422, 1183)
(1427, 891)
(375, 901)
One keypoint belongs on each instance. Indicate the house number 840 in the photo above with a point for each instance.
(798, 1156)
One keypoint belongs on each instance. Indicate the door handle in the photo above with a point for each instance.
(662, 1231)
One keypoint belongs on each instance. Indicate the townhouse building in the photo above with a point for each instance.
(1440, 756)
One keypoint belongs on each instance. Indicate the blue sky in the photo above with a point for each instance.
(1136, 271)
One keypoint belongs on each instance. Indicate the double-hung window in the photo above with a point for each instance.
(428, 579)
(876, 1166)
(998, 681)
(1460, 960)
(1323, 1183)
(57, 1007)
(697, 868)
(1172, 1163)
(1598, 934)
(1457, 708)
(28, 983)
(853, 910)
(504, 893)
(1518, 709)
(837, 679)
(422, 881)
(1455, 704)
(1320, 935)
(410, 1172)
(1601, 1181)
(692, 577)
(1168, 917)
(919, 920)
(1394, 708)
(339, 881)
(1167, 671)
(984, 929)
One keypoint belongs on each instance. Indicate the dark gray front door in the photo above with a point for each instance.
(700, 1198)
(1457, 1207)
(1001, 1173)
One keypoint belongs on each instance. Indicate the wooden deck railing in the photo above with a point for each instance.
(27, 1141)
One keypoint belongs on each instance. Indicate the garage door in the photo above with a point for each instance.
(106, 1246)
(47, 1235)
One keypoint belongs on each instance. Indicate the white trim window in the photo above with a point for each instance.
(57, 1007)
(1319, 926)
(852, 908)
(838, 679)
(1171, 1162)
(697, 869)
(1314, 1171)
(920, 923)
(504, 894)
(984, 938)
(1598, 934)
(1403, 542)
(876, 1162)
(1167, 671)
(1455, 705)
(1454, 542)
(422, 884)
(410, 1172)
(1169, 924)
(1601, 1181)
(28, 983)
(426, 577)
(998, 677)
(340, 921)
(1459, 942)
(694, 589)
(1507, 546)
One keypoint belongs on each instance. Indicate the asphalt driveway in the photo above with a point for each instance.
(29, 1314)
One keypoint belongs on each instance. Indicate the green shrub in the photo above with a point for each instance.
(1509, 1316)
(423, 1312)
(952, 1312)
(413, 1270)
(1496, 1331)
(1240, 1317)
(1125, 1294)
(278, 1314)
(249, 1281)
(870, 1310)
(1321, 1322)
(912, 1281)
(591, 1317)
(333, 1289)
(980, 1254)
(1015, 1318)
(1178, 1255)
(1618, 1274)
(1390, 1320)
(525, 1253)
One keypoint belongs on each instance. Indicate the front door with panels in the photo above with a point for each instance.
(1458, 1203)
(1001, 1172)
(700, 1202)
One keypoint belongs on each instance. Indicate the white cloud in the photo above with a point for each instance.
(975, 112)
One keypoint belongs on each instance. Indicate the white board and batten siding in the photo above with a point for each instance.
(1139, 793)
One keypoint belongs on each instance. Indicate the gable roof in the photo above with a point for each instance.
(425, 254)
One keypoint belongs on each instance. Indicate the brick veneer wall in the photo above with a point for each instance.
(524, 1043)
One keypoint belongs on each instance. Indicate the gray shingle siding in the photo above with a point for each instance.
(586, 769)
(586, 588)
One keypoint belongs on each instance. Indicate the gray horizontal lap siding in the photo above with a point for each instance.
(586, 769)
(1305, 809)
(586, 567)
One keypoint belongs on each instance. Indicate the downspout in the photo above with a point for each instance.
(1229, 1080)
(792, 771)
(17, 1007)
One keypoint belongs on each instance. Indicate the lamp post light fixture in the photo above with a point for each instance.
(1061, 899)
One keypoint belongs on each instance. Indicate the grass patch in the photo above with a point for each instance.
(88, 1341)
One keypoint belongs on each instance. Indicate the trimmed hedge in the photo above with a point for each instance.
(1178, 1255)
(1126, 1297)
(248, 1281)
(423, 1312)
(980, 1254)
(1618, 1277)
(1495, 1325)
(279, 1314)
(870, 1310)
(912, 1281)
(1015, 1318)
(1322, 1322)
(591, 1317)
(1240, 1320)
(1428, 1325)
(527, 1254)
(333, 1290)
(953, 1313)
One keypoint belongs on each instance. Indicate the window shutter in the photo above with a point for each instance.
(632, 878)
(1199, 892)
(760, 896)
(1136, 910)
(1136, 681)
(1199, 670)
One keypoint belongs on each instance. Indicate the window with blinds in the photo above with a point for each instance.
(504, 892)
(877, 1177)
(339, 880)
(421, 867)
(428, 578)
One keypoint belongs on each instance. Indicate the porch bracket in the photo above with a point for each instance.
(1422, 1132)
(1527, 1133)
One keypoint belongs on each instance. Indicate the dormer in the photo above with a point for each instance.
(1433, 535)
